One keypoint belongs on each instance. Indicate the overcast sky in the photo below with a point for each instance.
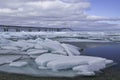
(76, 14)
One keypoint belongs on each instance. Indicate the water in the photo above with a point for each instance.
(110, 52)
(107, 51)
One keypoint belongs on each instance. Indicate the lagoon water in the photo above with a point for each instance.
(110, 52)
(107, 51)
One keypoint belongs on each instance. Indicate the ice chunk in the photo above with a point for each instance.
(65, 63)
(72, 46)
(67, 50)
(109, 61)
(30, 50)
(52, 45)
(59, 52)
(4, 41)
(43, 68)
(97, 65)
(45, 58)
(23, 44)
(9, 48)
(73, 49)
(38, 46)
(92, 66)
(25, 48)
(8, 59)
(10, 52)
(18, 64)
(37, 52)
(19, 43)
(57, 62)
(81, 68)
(86, 73)
(32, 41)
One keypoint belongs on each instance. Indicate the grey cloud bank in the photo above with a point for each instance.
(53, 13)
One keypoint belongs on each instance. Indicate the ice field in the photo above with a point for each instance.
(46, 54)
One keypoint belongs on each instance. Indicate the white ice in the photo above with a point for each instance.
(60, 56)
(83, 65)
(8, 59)
(45, 58)
(18, 64)
(37, 52)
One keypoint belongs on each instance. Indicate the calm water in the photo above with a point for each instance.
(106, 51)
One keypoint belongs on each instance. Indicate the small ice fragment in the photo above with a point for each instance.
(59, 52)
(9, 48)
(43, 68)
(18, 64)
(38, 46)
(86, 73)
(8, 59)
(37, 52)
(73, 49)
(67, 49)
(81, 68)
(97, 65)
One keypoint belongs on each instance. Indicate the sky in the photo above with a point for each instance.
(108, 8)
(75, 14)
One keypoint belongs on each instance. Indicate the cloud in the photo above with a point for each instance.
(52, 13)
